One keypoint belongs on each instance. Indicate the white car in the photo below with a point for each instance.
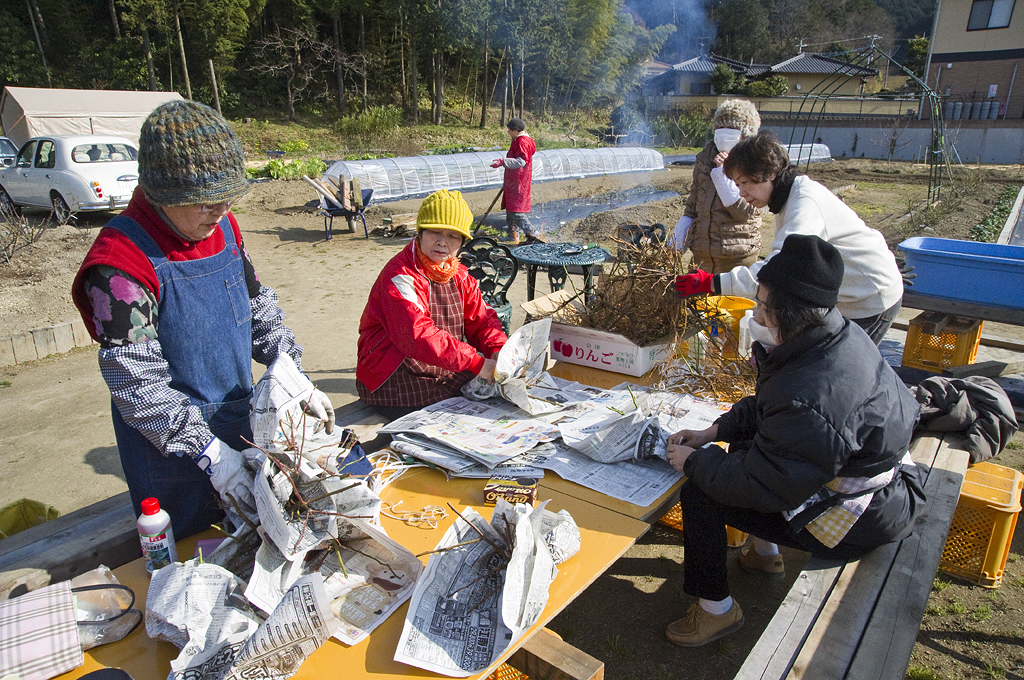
(69, 174)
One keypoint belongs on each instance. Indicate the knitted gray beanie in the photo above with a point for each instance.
(189, 155)
(738, 114)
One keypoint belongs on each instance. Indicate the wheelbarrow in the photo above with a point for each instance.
(350, 216)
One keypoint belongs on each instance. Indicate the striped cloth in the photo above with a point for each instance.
(831, 526)
(39, 635)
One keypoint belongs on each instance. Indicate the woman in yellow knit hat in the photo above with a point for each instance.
(426, 330)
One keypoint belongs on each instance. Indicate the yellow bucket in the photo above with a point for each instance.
(735, 306)
(24, 514)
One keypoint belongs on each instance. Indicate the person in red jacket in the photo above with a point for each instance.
(426, 330)
(518, 164)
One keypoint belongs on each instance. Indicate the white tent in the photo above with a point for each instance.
(32, 111)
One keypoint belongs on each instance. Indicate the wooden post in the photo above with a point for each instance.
(213, 81)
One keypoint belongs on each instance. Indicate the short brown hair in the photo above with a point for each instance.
(759, 158)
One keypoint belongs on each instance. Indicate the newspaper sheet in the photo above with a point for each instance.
(640, 482)
(377, 577)
(630, 422)
(298, 626)
(296, 528)
(476, 597)
(490, 431)
(200, 608)
(277, 418)
(411, 444)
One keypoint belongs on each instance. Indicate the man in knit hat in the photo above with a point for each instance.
(719, 228)
(818, 458)
(170, 294)
(426, 330)
(518, 165)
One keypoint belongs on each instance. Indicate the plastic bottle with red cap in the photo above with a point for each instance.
(156, 536)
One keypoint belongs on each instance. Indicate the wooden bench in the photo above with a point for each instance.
(860, 619)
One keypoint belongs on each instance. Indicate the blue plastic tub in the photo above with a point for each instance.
(985, 273)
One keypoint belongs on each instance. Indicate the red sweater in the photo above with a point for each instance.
(116, 250)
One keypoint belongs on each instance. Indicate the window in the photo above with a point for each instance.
(990, 14)
(25, 157)
(46, 157)
(103, 153)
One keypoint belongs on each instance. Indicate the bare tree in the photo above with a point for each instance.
(892, 134)
(299, 56)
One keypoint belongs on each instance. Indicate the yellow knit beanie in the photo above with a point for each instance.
(445, 210)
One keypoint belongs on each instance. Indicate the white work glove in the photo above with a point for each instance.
(319, 406)
(726, 188)
(679, 235)
(229, 475)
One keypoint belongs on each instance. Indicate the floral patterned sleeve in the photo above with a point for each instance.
(124, 312)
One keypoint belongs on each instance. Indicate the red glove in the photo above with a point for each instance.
(693, 283)
(497, 163)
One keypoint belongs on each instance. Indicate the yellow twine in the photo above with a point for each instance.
(428, 516)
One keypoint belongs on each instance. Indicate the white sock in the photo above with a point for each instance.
(716, 607)
(763, 547)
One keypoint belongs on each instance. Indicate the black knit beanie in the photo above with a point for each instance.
(807, 268)
(189, 155)
(516, 124)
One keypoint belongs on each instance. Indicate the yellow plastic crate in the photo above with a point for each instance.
(674, 518)
(982, 528)
(506, 672)
(956, 345)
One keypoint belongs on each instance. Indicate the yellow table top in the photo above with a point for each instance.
(586, 375)
(606, 534)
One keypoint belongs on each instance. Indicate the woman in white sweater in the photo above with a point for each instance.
(872, 289)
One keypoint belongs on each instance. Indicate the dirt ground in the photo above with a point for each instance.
(57, 444)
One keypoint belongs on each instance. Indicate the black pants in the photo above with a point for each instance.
(704, 541)
(878, 325)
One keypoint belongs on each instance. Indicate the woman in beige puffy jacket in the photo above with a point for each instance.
(719, 228)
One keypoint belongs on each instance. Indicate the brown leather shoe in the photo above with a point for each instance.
(769, 564)
(699, 627)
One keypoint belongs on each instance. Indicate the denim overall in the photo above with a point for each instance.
(205, 332)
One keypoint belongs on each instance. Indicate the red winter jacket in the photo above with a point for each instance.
(516, 197)
(396, 324)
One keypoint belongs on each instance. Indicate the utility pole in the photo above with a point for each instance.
(213, 81)
(39, 42)
(181, 49)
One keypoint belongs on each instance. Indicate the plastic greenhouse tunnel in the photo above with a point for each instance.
(394, 179)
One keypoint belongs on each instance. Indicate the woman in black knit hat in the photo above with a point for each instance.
(171, 296)
(818, 457)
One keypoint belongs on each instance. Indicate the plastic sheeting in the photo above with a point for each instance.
(415, 176)
(802, 153)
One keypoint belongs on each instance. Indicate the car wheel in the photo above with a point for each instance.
(61, 211)
(7, 207)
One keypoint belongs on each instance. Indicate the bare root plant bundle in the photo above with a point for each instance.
(715, 371)
(634, 296)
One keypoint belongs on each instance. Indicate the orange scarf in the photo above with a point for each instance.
(438, 272)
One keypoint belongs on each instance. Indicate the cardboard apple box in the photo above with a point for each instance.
(590, 347)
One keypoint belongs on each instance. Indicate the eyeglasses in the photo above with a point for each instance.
(207, 209)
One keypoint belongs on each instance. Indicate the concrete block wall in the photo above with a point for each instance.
(43, 342)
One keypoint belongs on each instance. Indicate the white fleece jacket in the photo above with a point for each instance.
(872, 282)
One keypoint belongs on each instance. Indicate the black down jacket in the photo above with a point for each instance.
(826, 405)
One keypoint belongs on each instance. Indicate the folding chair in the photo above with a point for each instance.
(495, 267)
(350, 216)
